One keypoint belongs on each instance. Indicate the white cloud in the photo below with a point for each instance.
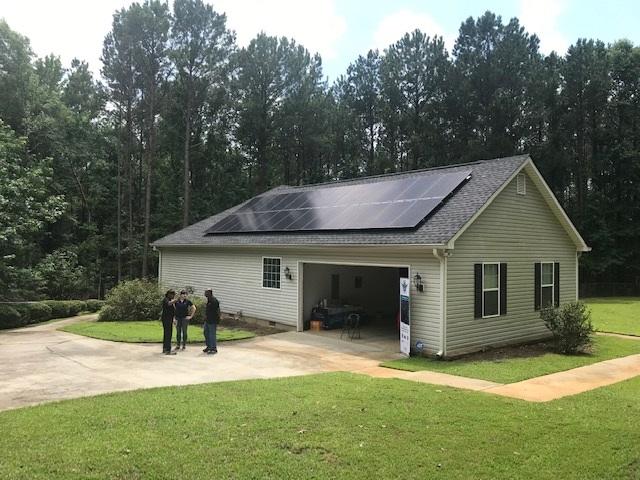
(315, 25)
(394, 26)
(541, 17)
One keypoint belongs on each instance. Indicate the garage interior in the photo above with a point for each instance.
(332, 292)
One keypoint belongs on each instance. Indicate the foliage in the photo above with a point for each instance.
(146, 332)
(571, 326)
(132, 300)
(94, 305)
(201, 306)
(9, 317)
(188, 124)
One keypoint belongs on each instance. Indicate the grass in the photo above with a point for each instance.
(615, 314)
(334, 425)
(146, 332)
(515, 369)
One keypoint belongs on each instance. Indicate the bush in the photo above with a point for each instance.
(201, 306)
(9, 317)
(39, 312)
(132, 300)
(571, 326)
(94, 305)
(76, 306)
(59, 308)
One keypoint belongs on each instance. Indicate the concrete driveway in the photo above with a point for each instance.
(40, 364)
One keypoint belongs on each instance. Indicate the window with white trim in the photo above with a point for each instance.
(271, 272)
(547, 283)
(490, 290)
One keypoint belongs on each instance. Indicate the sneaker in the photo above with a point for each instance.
(212, 352)
(177, 348)
(169, 353)
(206, 350)
(184, 347)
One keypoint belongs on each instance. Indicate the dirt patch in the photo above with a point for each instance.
(260, 330)
(515, 351)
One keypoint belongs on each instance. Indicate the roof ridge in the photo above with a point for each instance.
(395, 174)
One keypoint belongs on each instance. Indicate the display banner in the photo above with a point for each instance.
(405, 328)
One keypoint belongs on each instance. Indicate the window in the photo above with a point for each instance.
(521, 184)
(490, 290)
(547, 285)
(271, 272)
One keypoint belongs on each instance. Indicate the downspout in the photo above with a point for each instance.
(578, 255)
(442, 255)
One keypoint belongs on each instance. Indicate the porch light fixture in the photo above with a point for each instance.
(417, 281)
(287, 273)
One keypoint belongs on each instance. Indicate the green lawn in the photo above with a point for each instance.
(515, 369)
(325, 426)
(615, 314)
(146, 332)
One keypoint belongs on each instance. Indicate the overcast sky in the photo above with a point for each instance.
(338, 30)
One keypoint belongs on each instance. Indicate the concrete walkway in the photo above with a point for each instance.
(40, 364)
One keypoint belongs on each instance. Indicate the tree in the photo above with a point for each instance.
(200, 49)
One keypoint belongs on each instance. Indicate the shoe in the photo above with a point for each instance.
(212, 352)
(206, 350)
(169, 353)
(184, 347)
(177, 348)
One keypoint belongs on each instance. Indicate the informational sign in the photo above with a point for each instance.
(405, 327)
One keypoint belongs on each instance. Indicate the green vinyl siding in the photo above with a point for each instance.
(518, 230)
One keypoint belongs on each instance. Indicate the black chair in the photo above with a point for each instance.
(353, 320)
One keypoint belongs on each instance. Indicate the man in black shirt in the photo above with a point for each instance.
(184, 311)
(168, 312)
(211, 320)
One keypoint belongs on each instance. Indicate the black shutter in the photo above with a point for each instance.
(478, 290)
(556, 284)
(503, 289)
(536, 287)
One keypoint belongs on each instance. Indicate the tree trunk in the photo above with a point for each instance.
(150, 153)
(129, 171)
(187, 167)
(119, 207)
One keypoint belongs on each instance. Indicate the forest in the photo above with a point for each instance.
(182, 122)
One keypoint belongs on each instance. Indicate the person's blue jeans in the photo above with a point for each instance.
(181, 330)
(210, 336)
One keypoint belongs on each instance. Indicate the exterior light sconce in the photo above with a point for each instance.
(287, 273)
(417, 281)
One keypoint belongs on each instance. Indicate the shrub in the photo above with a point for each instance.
(76, 306)
(59, 308)
(201, 306)
(132, 300)
(9, 317)
(38, 312)
(571, 326)
(94, 305)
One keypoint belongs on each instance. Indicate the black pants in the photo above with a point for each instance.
(167, 325)
(181, 330)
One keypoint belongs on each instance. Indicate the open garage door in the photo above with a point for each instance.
(353, 302)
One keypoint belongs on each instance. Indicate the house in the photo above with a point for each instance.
(484, 246)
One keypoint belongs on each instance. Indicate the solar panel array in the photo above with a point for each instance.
(386, 204)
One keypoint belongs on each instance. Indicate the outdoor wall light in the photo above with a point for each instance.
(287, 273)
(417, 281)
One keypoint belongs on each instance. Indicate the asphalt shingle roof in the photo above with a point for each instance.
(487, 176)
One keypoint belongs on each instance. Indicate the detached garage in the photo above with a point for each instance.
(480, 248)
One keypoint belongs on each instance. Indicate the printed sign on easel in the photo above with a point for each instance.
(405, 327)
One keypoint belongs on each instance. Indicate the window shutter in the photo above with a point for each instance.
(478, 290)
(537, 285)
(503, 289)
(556, 284)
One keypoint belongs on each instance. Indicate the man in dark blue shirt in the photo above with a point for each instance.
(184, 312)
(211, 321)
(168, 313)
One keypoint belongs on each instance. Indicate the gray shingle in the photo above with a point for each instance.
(487, 176)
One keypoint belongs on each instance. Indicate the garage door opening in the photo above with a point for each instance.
(331, 293)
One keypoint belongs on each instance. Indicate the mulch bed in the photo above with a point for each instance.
(516, 351)
(228, 321)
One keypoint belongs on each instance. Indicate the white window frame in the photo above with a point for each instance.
(521, 184)
(497, 264)
(279, 274)
(546, 285)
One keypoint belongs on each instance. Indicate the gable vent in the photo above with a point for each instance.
(521, 184)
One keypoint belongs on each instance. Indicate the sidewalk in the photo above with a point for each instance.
(538, 389)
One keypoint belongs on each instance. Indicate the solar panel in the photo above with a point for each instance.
(392, 203)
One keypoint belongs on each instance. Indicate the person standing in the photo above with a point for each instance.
(211, 322)
(167, 316)
(185, 310)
